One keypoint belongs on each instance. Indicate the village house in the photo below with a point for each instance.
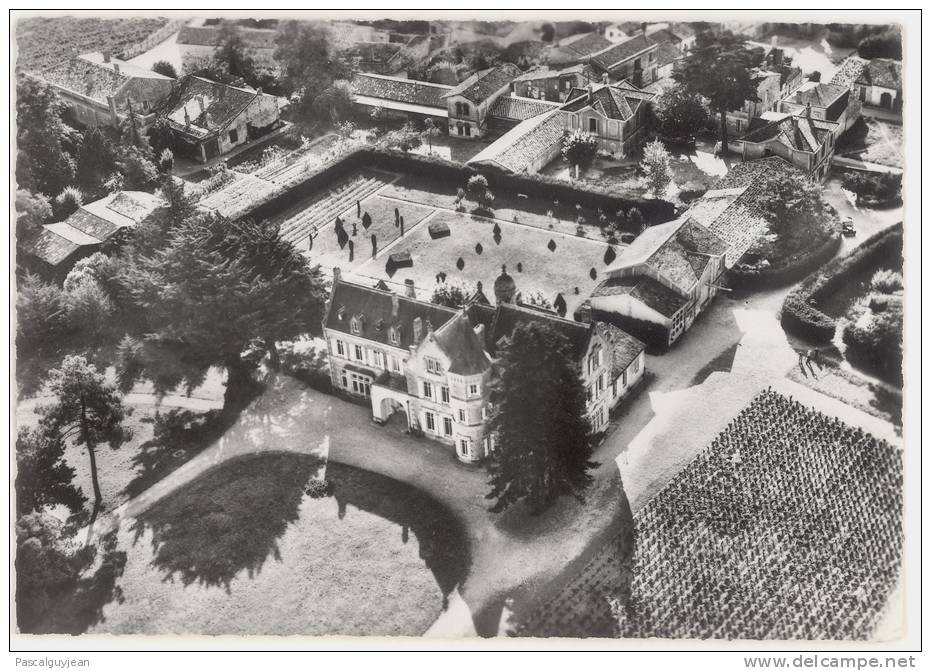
(634, 59)
(468, 104)
(576, 49)
(801, 139)
(617, 114)
(527, 147)
(99, 90)
(432, 364)
(553, 84)
(876, 82)
(198, 45)
(828, 102)
(509, 111)
(768, 92)
(57, 247)
(399, 97)
(662, 281)
(209, 119)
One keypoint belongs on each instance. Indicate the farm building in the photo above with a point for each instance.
(527, 147)
(828, 102)
(803, 140)
(59, 246)
(509, 111)
(553, 84)
(662, 281)
(876, 82)
(633, 59)
(469, 104)
(433, 364)
(98, 89)
(209, 119)
(400, 97)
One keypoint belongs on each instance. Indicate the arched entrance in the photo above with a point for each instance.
(885, 101)
(393, 412)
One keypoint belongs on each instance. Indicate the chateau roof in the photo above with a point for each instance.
(457, 338)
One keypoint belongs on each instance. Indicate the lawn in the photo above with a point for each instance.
(507, 206)
(377, 557)
(326, 248)
(43, 41)
(524, 249)
(788, 526)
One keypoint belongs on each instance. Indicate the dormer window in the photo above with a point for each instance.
(394, 335)
(355, 325)
(340, 312)
(379, 325)
(433, 366)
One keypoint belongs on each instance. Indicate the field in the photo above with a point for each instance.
(524, 249)
(788, 526)
(43, 41)
(376, 557)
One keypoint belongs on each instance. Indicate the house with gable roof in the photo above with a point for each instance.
(399, 97)
(802, 139)
(876, 82)
(553, 83)
(828, 102)
(633, 59)
(469, 104)
(208, 118)
(662, 281)
(615, 113)
(576, 49)
(432, 365)
(99, 90)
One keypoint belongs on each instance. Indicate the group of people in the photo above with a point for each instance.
(808, 357)
(789, 525)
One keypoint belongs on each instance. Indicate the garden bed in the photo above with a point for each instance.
(801, 312)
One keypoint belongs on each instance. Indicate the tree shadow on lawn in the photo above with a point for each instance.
(227, 520)
(577, 601)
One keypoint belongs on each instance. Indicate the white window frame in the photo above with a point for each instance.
(462, 416)
(473, 389)
(447, 426)
(427, 390)
(340, 348)
(359, 352)
(429, 421)
(444, 394)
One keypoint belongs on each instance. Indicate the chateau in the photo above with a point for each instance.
(433, 364)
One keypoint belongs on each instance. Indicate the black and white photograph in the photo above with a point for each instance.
(577, 325)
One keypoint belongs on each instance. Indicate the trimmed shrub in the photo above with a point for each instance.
(801, 317)
(877, 345)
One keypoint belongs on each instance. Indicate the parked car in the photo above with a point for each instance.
(847, 228)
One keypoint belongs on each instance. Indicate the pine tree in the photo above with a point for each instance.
(43, 478)
(543, 437)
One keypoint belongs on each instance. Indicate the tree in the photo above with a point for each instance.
(718, 68)
(580, 149)
(67, 202)
(32, 210)
(232, 53)
(45, 566)
(887, 44)
(542, 435)
(334, 104)
(97, 160)
(161, 136)
(307, 57)
(815, 76)
(42, 163)
(137, 169)
(216, 286)
(88, 409)
(478, 191)
(40, 316)
(43, 478)
(547, 32)
(430, 131)
(451, 294)
(680, 114)
(655, 166)
(789, 201)
(165, 68)
(405, 138)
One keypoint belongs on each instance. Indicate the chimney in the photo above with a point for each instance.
(774, 41)
(106, 56)
(337, 274)
(480, 332)
(429, 327)
(584, 313)
(590, 90)
(604, 78)
(258, 91)
(200, 101)
(394, 305)
(643, 28)
(116, 68)
(409, 289)
(418, 329)
(187, 117)
(808, 110)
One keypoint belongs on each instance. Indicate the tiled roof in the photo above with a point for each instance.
(624, 347)
(585, 44)
(409, 91)
(665, 35)
(614, 101)
(821, 95)
(883, 72)
(125, 68)
(376, 307)
(374, 52)
(666, 53)
(644, 289)
(730, 208)
(800, 132)
(86, 78)
(208, 36)
(678, 251)
(525, 143)
(54, 246)
(458, 340)
(509, 316)
(521, 109)
(849, 71)
(616, 54)
(210, 105)
(485, 83)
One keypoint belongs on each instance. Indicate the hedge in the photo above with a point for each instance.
(781, 275)
(800, 317)
(654, 211)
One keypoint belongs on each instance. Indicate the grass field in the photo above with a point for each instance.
(43, 41)
(522, 248)
(261, 557)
